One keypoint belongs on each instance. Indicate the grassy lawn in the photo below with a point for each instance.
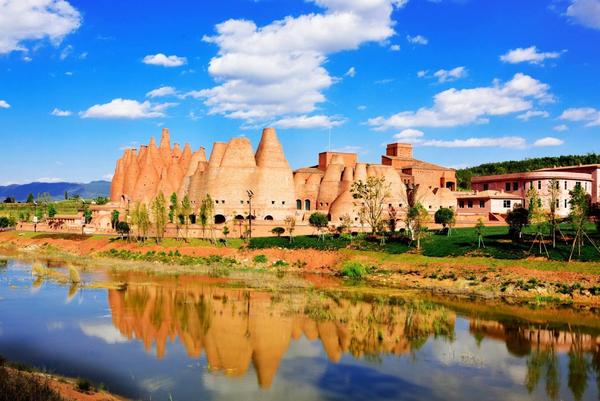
(461, 243)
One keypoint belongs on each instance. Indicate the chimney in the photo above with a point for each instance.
(404, 150)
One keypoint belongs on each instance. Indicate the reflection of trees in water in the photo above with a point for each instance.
(236, 327)
(542, 347)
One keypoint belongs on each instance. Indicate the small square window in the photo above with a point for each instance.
(507, 203)
(507, 186)
(486, 187)
(481, 203)
(461, 204)
(515, 186)
(539, 185)
(470, 204)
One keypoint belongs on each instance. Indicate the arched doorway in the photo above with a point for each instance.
(269, 217)
(298, 204)
(307, 204)
(220, 219)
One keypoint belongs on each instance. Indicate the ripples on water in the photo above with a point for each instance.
(188, 339)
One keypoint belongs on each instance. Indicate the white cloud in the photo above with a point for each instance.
(351, 72)
(409, 134)
(107, 177)
(126, 108)
(104, 331)
(528, 55)
(532, 113)
(501, 142)
(61, 113)
(422, 73)
(455, 107)
(417, 40)
(587, 114)
(395, 48)
(349, 149)
(305, 121)
(66, 52)
(561, 128)
(4, 104)
(585, 12)
(548, 141)
(26, 20)
(162, 92)
(450, 75)
(362, 107)
(278, 69)
(69, 73)
(164, 60)
(48, 179)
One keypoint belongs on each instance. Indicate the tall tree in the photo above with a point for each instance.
(419, 217)
(30, 198)
(186, 211)
(290, 226)
(207, 208)
(319, 221)
(537, 218)
(372, 193)
(173, 205)
(114, 219)
(141, 220)
(445, 217)
(554, 194)
(579, 217)
(159, 213)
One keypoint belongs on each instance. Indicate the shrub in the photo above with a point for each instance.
(354, 270)
(74, 277)
(280, 263)
(260, 259)
(83, 385)
(4, 222)
(278, 231)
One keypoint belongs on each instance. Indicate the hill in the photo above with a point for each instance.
(56, 189)
(463, 176)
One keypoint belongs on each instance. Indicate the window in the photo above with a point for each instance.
(507, 186)
(461, 204)
(482, 204)
(269, 218)
(222, 201)
(565, 185)
(298, 204)
(539, 185)
(577, 184)
(530, 184)
(566, 204)
(283, 202)
(557, 204)
(506, 203)
(307, 204)
(515, 186)
(217, 201)
(486, 187)
(242, 202)
(470, 204)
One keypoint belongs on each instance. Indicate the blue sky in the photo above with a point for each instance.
(466, 81)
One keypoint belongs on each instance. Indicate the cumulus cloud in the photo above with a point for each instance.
(548, 141)
(164, 60)
(162, 92)
(585, 114)
(417, 40)
(501, 142)
(455, 107)
(532, 113)
(561, 128)
(528, 55)
(450, 75)
(278, 69)
(585, 12)
(395, 48)
(4, 104)
(126, 108)
(409, 135)
(61, 113)
(305, 121)
(26, 20)
(351, 72)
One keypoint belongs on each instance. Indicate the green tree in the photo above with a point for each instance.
(554, 194)
(445, 217)
(87, 214)
(51, 210)
(123, 229)
(319, 221)
(114, 219)
(517, 219)
(206, 214)
(419, 217)
(159, 214)
(173, 207)
(372, 193)
(140, 219)
(278, 231)
(479, 230)
(186, 211)
(4, 222)
(537, 218)
(225, 232)
(30, 198)
(66, 195)
(579, 216)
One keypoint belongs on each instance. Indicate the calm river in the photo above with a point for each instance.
(192, 338)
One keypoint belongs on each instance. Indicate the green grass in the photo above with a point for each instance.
(461, 243)
(69, 207)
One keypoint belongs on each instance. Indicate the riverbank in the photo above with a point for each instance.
(533, 280)
(20, 383)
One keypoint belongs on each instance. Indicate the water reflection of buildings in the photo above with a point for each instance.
(542, 346)
(235, 327)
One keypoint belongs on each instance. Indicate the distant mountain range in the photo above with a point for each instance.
(55, 189)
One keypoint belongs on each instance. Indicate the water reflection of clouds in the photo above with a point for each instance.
(55, 326)
(104, 331)
(154, 384)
